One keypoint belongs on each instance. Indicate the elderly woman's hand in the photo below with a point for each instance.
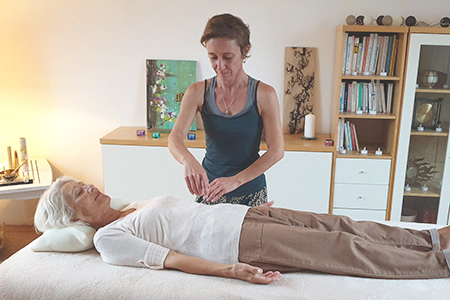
(253, 274)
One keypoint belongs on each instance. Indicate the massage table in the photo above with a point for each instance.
(83, 275)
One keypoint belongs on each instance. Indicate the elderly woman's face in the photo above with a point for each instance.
(86, 200)
(225, 57)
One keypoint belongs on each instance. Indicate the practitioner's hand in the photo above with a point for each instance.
(253, 274)
(219, 187)
(196, 179)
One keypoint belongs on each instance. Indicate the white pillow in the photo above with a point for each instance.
(68, 239)
(71, 239)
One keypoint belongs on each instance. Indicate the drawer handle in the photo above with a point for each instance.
(359, 198)
(362, 172)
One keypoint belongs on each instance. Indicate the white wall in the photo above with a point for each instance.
(73, 70)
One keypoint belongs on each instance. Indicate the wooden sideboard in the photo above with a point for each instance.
(141, 167)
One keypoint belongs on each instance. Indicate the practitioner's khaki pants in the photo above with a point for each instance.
(286, 241)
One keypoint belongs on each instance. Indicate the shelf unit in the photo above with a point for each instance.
(421, 152)
(374, 131)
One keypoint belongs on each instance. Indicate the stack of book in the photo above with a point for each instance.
(347, 137)
(366, 97)
(372, 54)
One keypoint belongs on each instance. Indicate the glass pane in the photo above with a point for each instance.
(429, 135)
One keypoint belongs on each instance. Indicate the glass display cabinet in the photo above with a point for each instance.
(422, 179)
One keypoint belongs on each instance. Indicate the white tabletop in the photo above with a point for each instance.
(42, 178)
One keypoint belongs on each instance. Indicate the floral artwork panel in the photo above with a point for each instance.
(167, 81)
(299, 82)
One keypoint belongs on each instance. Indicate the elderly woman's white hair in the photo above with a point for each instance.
(52, 210)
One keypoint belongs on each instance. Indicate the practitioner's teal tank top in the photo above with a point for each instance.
(232, 142)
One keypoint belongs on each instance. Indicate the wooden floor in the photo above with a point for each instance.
(15, 237)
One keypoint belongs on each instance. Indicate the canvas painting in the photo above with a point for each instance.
(167, 81)
(299, 77)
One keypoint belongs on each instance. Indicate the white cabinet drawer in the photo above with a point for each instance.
(360, 214)
(360, 196)
(369, 171)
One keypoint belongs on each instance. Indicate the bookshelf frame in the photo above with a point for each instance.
(374, 131)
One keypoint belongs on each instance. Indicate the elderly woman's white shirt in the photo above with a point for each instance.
(144, 237)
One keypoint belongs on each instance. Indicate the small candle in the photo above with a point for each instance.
(310, 126)
(10, 162)
(23, 153)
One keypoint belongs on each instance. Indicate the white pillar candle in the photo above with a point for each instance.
(23, 154)
(310, 126)
(10, 162)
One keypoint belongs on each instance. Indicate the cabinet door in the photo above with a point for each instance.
(422, 178)
(301, 181)
(140, 173)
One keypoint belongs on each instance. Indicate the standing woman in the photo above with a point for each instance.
(235, 108)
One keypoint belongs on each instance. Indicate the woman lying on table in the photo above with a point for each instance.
(235, 241)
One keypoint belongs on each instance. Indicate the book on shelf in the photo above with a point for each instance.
(344, 58)
(373, 59)
(382, 97)
(366, 97)
(369, 54)
(393, 57)
(347, 136)
(355, 55)
(359, 61)
(348, 60)
(364, 59)
(389, 97)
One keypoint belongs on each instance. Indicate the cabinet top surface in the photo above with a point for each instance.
(127, 136)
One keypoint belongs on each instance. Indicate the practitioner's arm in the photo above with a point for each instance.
(194, 265)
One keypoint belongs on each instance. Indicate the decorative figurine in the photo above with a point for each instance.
(411, 21)
(350, 20)
(445, 22)
(387, 20)
(398, 21)
(360, 20)
(380, 20)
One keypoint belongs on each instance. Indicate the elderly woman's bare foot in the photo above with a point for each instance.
(444, 236)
